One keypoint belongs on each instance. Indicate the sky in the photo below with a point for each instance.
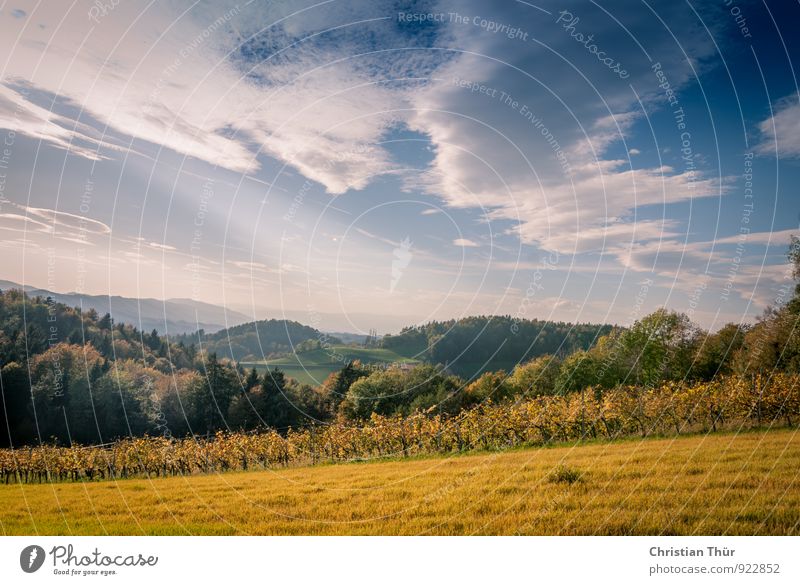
(365, 164)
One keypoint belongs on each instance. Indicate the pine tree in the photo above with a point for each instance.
(153, 341)
(251, 381)
(106, 322)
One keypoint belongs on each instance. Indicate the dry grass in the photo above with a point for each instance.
(713, 484)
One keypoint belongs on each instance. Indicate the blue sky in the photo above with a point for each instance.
(377, 164)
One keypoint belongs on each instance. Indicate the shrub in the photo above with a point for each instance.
(565, 474)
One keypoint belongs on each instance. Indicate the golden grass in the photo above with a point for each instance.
(710, 484)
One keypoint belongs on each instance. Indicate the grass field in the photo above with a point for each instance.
(710, 484)
(312, 367)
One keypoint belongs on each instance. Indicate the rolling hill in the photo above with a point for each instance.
(257, 340)
(472, 345)
(168, 317)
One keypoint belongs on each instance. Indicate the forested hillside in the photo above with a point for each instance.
(76, 377)
(475, 344)
(259, 339)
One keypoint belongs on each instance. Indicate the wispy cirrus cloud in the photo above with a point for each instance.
(218, 83)
(52, 222)
(531, 147)
(528, 147)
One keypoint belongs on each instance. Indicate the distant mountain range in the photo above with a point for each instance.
(171, 316)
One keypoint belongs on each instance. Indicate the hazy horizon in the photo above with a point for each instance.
(367, 165)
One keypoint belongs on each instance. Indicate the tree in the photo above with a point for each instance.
(279, 403)
(536, 377)
(122, 405)
(793, 306)
(715, 352)
(153, 341)
(774, 342)
(32, 343)
(309, 405)
(209, 397)
(15, 406)
(105, 322)
(337, 384)
(489, 386)
(62, 393)
(276, 409)
(657, 347)
(251, 381)
(578, 371)
(172, 402)
(396, 391)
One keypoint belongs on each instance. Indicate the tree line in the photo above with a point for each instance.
(73, 377)
(474, 344)
(671, 409)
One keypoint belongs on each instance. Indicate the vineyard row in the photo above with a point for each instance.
(668, 410)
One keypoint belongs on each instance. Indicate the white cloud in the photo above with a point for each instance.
(51, 221)
(20, 115)
(535, 146)
(162, 246)
(553, 166)
(62, 219)
(16, 222)
(780, 133)
(264, 81)
(778, 238)
(183, 81)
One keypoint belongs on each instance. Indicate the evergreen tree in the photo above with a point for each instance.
(106, 322)
(251, 381)
(153, 341)
(210, 396)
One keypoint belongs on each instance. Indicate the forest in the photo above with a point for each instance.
(71, 377)
(478, 343)
(257, 339)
